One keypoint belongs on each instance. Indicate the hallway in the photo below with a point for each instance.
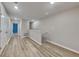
(39, 29)
(18, 47)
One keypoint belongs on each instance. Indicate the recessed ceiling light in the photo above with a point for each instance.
(16, 7)
(52, 2)
(15, 18)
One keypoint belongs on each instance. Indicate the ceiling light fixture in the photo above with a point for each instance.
(52, 2)
(16, 7)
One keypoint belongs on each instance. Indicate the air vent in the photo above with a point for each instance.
(15, 2)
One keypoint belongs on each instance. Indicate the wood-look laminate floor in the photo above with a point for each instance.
(18, 47)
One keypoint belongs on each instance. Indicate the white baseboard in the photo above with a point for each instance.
(63, 47)
(2, 49)
(36, 41)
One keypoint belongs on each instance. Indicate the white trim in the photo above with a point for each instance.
(35, 41)
(2, 49)
(63, 46)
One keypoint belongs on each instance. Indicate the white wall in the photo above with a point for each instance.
(35, 35)
(36, 25)
(63, 28)
(0, 25)
(34, 32)
(4, 35)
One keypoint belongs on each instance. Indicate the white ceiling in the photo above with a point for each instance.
(36, 10)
